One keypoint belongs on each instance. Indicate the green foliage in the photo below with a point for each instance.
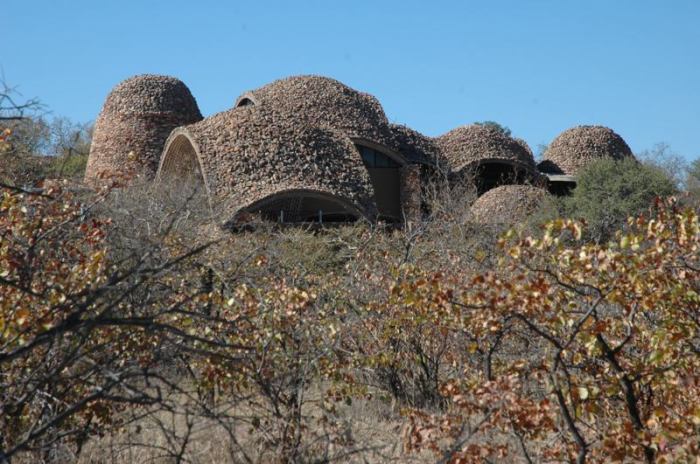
(693, 179)
(539, 348)
(67, 166)
(608, 191)
(32, 149)
(493, 124)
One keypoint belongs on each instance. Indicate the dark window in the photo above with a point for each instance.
(375, 159)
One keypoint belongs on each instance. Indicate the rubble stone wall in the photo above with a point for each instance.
(574, 148)
(249, 153)
(507, 204)
(466, 146)
(411, 192)
(136, 119)
(298, 134)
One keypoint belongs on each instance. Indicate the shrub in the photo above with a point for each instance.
(609, 368)
(693, 179)
(608, 191)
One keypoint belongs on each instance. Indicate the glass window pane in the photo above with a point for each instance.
(382, 161)
(367, 157)
(376, 159)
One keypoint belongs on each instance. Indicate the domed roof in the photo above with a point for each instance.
(136, 119)
(576, 147)
(414, 146)
(507, 204)
(251, 152)
(322, 102)
(151, 93)
(473, 144)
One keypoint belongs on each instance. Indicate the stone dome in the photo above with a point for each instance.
(574, 148)
(471, 145)
(251, 153)
(318, 101)
(507, 204)
(414, 146)
(136, 119)
(321, 102)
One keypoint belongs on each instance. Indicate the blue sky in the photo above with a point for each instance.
(537, 67)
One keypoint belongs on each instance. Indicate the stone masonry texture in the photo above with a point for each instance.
(576, 147)
(299, 134)
(250, 153)
(466, 146)
(507, 204)
(134, 123)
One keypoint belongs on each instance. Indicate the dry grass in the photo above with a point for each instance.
(365, 431)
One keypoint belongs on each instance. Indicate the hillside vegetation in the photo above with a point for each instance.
(134, 329)
(131, 330)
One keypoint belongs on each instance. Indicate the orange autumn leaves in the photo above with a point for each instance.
(598, 345)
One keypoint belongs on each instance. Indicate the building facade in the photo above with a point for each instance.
(311, 149)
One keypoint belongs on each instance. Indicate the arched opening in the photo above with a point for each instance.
(180, 178)
(492, 174)
(180, 163)
(245, 102)
(385, 173)
(299, 206)
(247, 99)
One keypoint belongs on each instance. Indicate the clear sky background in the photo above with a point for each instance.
(538, 67)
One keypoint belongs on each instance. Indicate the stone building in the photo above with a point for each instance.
(136, 118)
(311, 149)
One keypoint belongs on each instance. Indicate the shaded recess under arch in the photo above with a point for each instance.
(299, 206)
(180, 173)
(487, 154)
(245, 100)
(491, 173)
(180, 162)
(384, 168)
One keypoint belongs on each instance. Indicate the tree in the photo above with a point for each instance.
(493, 124)
(12, 106)
(593, 349)
(98, 331)
(693, 179)
(81, 337)
(33, 147)
(13, 110)
(670, 162)
(28, 136)
(69, 146)
(608, 191)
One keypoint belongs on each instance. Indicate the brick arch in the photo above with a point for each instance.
(181, 162)
(385, 150)
(490, 173)
(299, 205)
(247, 99)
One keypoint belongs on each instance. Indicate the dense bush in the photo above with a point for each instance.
(608, 191)
(131, 328)
(693, 179)
(33, 149)
(593, 349)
